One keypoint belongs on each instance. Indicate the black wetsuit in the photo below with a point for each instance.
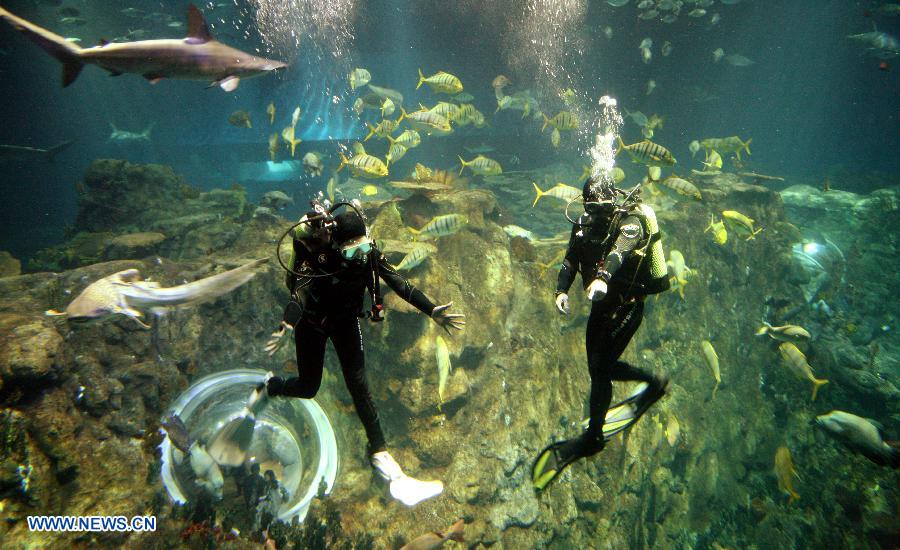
(613, 319)
(330, 307)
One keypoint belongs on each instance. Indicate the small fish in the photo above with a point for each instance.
(698, 12)
(177, 432)
(516, 231)
(270, 110)
(442, 354)
(741, 223)
(369, 190)
(416, 256)
(559, 191)
(76, 22)
(648, 15)
(718, 54)
(646, 55)
(175, 24)
(441, 82)
(712, 361)
(608, 32)
(637, 117)
(713, 162)
(679, 270)
(428, 122)
(567, 95)
(714, 20)
(276, 199)
(273, 146)
(617, 3)
(481, 165)
(295, 117)
(464, 97)
(384, 129)
(666, 48)
(288, 135)
(359, 77)
(784, 471)
(651, 85)
(240, 119)
(564, 120)
(364, 164)
(435, 540)
(796, 361)
(681, 187)
(720, 235)
(732, 144)
(673, 430)
(647, 152)
(441, 226)
(450, 111)
(555, 137)
(861, 435)
(694, 147)
(395, 152)
(669, 18)
(738, 60)
(388, 107)
(786, 333)
(312, 163)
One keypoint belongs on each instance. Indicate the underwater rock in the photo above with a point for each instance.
(133, 245)
(9, 266)
(31, 352)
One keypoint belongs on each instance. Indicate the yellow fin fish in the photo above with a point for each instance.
(288, 135)
(719, 233)
(270, 110)
(784, 471)
(559, 191)
(441, 226)
(441, 82)
(796, 362)
(482, 166)
(741, 223)
(442, 355)
(712, 360)
(679, 270)
(273, 146)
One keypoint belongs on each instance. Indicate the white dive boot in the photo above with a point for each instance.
(408, 490)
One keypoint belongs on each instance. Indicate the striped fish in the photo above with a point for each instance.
(466, 114)
(441, 83)
(482, 166)
(384, 129)
(447, 110)
(564, 120)
(428, 122)
(681, 187)
(416, 256)
(559, 191)
(731, 144)
(363, 164)
(647, 152)
(395, 153)
(408, 139)
(441, 226)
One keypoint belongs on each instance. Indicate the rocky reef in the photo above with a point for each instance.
(81, 404)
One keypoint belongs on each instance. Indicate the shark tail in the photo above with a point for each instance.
(57, 149)
(65, 52)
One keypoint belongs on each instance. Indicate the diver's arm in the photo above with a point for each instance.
(569, 266)
(631, 233)
(403, 288)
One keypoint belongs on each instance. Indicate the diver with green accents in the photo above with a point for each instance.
(616, 247)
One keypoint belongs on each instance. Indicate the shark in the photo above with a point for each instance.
(126, 292)
(20, 152)
(198, 56)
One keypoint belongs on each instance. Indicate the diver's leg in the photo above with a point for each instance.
(627, 319)
(348, 344)
(310, 343)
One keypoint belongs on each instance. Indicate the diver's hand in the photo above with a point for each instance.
(596, 290)
(274, 343)
(448, 320)
(562, 303)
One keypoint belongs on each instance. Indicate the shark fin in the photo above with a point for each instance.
(71, 69)
(153, 78)
(198, 32)
(103, 42)
(229, 83)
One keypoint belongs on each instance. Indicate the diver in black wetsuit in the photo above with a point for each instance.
(334, 263)
(616, 248)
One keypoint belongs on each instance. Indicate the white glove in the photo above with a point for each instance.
(562, 303)
(277, 338)
(596, 290)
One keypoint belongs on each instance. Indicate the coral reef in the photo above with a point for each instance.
(81, 403)
(9, 266)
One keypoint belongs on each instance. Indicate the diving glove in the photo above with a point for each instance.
(562, 303)
(408, 490)
(448, 320)
(596, 291)
(275, 342)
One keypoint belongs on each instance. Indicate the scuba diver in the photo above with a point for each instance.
(616, 247)
(333, 264)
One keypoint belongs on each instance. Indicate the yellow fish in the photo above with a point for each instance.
(786, 333)
(364, 164)
(796, 361)
(288, 135)
(712, 360)
(295, 117)
(441, 226)
(731, 144)
(647, 152)
(559, 191)
(673, 430)
(359, 77)
(713, 161)
(554, 138)
(441, 82)
(681, 187)
(428, 122)
(384, 129)
(240, 118)
(369, 190)
(273, 146)
(270, 110)
(442, 355)
(482, 166)
(564, 120)
(784, 471)
(740, 223)
(720, 235)
(679, 270)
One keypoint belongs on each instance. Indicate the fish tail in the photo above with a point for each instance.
(762, 330)
(537, 194)
(64, 51)
(343, 163)
(620, 147)
(546, 122)
(421, 79)
(402, 115)
(681, 283)
(792, 496)
(816, 384)
(463, 165)
(371, 132)
(353, 80)
(746, 145)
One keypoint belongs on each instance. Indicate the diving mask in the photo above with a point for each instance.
(356, 248)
